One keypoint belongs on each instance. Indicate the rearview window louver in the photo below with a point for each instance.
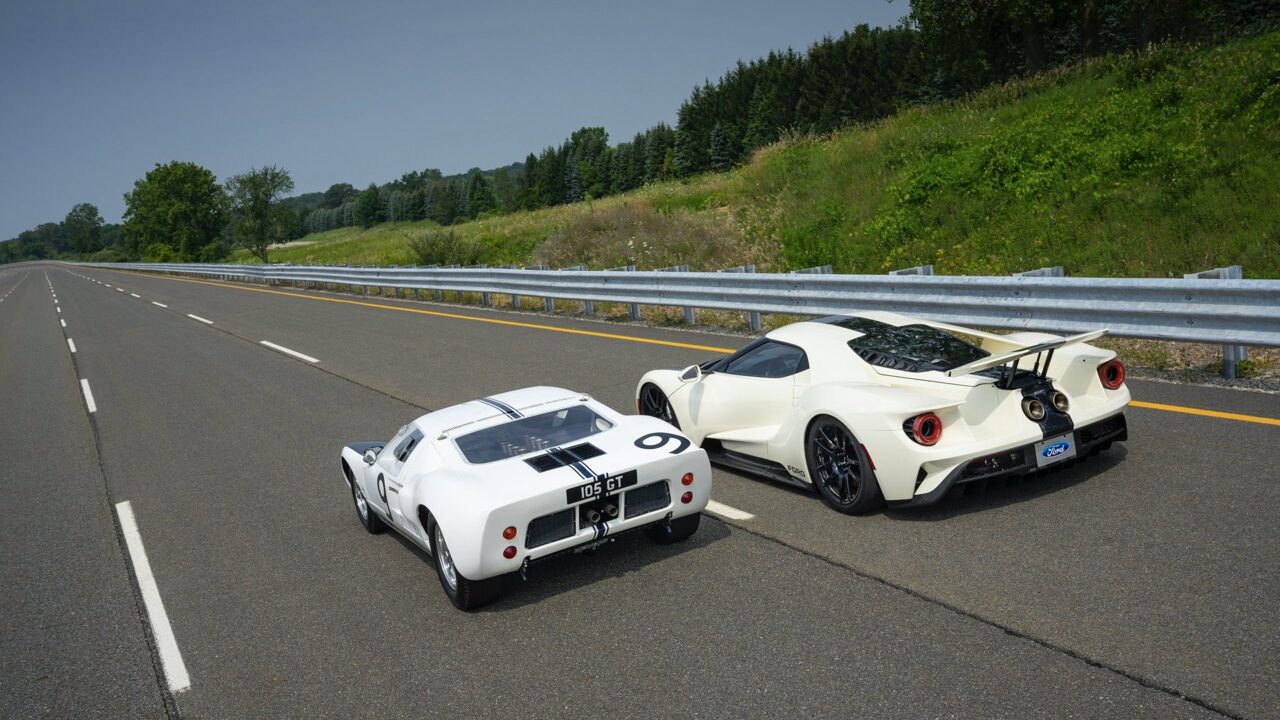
(560, 457)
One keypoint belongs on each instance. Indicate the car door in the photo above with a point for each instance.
(390, 467)
(746, 396)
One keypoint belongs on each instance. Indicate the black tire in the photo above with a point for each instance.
(654, 403)
(465, 594)
(674, 531)
(369, 519)
(839, 468)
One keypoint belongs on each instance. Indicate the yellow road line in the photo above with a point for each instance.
(457, 316)
(650, 341)
(1206, 413)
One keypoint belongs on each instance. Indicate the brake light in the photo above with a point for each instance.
(1111, 373)
(509, 552)
(686, 498)
(687, 479)
(509, 534)
(925, 429)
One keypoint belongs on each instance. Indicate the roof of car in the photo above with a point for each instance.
(842, 328)
(494, 408)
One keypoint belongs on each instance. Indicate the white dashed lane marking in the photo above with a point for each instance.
(287, 351)
(727, 512)
(71, 344)
(175, 670)
(200, 319)
(157, 304)
(88, 396)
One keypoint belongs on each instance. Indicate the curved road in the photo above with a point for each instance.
(1143, 584)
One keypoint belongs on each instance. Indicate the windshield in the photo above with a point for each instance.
(530, 434)
(914, 348)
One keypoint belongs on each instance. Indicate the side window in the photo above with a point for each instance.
(769, 360)
(405, 448)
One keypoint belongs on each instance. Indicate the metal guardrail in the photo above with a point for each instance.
(1220, 311)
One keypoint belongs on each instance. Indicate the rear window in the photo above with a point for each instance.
(914, 348)
(530, 434)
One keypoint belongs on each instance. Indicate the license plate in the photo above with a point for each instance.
(600, 487)
(1055, 449)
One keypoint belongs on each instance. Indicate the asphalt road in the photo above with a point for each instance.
(1143, 584)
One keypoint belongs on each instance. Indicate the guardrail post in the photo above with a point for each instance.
(635, 307)
(689, 318)
(1231, 354)
(917, 270)
(753, 316)
(548, 304)
(1054, 271)
(588, 307)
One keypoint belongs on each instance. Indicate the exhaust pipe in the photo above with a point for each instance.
(592, 516)
(611, 511)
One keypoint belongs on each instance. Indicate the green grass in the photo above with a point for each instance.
(1152, 164)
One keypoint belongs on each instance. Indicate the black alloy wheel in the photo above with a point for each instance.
(654, 403)
(839, 468)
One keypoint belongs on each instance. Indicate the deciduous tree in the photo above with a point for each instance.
(255, 197)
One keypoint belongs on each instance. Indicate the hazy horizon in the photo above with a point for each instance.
(97, 94)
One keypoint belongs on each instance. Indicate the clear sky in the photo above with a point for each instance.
(96, 93)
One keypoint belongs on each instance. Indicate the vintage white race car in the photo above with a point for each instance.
(490, 485)
(878, 406)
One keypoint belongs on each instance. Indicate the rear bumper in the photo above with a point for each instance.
(1021, 460)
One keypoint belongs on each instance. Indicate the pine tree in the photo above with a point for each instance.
(721, 159)
(572, 181)
(480, 197)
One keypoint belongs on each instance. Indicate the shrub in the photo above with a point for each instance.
(445, 247)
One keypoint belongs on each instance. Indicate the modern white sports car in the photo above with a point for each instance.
(488, 486)
(878, 406)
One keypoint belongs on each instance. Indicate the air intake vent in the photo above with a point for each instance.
(560, 457)
(549, 528)
(653, 496)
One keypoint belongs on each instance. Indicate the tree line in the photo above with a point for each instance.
(178, 212)
(943, 49)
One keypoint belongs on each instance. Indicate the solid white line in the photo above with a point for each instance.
(725, 511)
(71, 344)
(153, 302)
(64, 322)
(175, 671)
(88, 396)
(197, 317)
(136, 295)
(287, 351)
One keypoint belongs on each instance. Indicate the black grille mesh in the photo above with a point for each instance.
(549, 528)
(564, 456)
(653, 496)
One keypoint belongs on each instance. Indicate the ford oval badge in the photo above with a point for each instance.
(1055, 449)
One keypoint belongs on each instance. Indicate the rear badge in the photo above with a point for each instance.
(1055, 449)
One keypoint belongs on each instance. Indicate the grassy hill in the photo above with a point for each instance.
(1152, 164)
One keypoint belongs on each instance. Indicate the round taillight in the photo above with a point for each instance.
(687, 479)
(1060, 401)
(1033, 408)
(509, 534)
(686, 498)
(1111, 373)
(926, 429)
(509, 552)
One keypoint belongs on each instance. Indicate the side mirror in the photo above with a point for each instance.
(370, 457)
(691, 374)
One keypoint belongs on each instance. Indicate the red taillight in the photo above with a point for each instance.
(926, 429)
(687, 479)
(509, 534)
(1111, 373)
(686, 498)
(509, 552)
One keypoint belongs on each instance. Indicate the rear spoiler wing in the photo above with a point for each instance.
(1013, 356)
